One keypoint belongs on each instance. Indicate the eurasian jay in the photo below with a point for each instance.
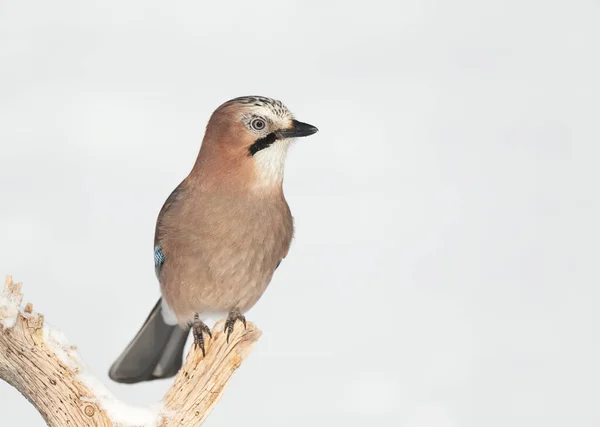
(219, 236)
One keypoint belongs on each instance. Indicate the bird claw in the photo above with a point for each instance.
(198, 328)
(234, 315)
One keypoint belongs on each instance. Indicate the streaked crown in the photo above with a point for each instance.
(276, 107)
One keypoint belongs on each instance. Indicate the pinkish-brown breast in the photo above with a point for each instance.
(221, 248)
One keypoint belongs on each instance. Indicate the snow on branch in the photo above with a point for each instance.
(38, 361)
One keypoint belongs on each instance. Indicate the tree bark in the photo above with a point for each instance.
(37, 360)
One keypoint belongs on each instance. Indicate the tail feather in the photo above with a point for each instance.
(155, 352)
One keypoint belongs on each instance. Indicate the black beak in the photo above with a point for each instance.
(298, 129)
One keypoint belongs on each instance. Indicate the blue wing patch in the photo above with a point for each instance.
(159, 258)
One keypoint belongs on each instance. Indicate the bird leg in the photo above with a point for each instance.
(198, 327)
(234, 315)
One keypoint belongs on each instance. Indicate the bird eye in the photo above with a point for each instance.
(258, 124)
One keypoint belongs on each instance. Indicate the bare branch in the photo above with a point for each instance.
(37, 360)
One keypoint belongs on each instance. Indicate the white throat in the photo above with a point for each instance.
(270, 163)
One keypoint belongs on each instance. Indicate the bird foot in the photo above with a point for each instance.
(198, 327)
(234, 315)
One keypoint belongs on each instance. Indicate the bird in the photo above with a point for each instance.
(219, 236)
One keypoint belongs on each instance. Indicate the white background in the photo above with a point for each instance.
(445, 267)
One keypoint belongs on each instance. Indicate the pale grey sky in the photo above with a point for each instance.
(445, 267)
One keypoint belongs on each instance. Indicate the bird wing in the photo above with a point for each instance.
(175, 196)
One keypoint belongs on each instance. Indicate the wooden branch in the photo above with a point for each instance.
(37, 360)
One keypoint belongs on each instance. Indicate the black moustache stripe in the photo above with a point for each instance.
(262, 143)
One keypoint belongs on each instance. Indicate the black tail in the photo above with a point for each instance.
(155, 352)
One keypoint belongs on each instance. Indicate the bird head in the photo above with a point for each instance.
(252, 134)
